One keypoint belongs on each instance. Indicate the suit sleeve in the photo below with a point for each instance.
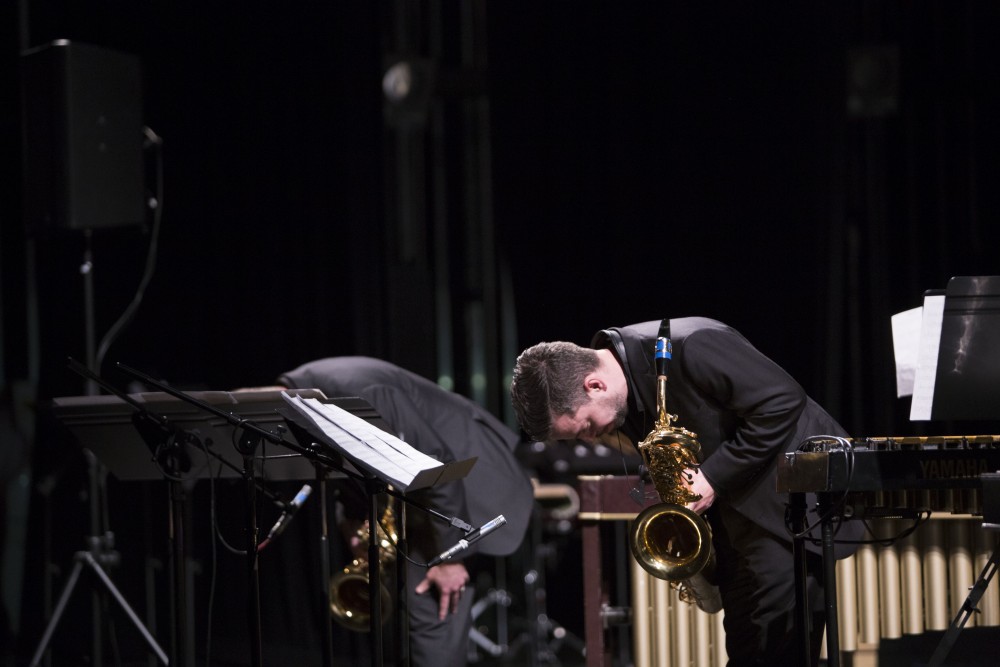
(762, 399)
(304, 377)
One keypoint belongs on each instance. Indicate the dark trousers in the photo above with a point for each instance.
(433, 642)
(757, 582)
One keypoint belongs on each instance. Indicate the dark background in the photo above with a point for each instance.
(801, 171)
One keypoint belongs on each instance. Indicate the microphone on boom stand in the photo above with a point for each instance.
(286, 517)
(468, 540)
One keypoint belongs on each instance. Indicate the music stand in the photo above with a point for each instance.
(105, 425)
(252, 435)
(383, 460)
(329, 452)
(153, 436)
(961, 382)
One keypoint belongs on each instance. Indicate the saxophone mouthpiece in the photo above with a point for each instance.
(664, 351)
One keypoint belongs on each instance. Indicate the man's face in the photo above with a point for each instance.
(603, 413)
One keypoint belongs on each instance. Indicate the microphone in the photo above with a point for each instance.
(468, 540)
(638, 492)
(290, 510)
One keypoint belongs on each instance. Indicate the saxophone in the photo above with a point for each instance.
(350, 599)
(669, 540)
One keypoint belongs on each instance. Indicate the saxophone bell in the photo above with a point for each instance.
(350, 596)
(671, 542)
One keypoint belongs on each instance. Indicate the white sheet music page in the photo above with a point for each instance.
(927, 357)
(906, 348)
(383, 453)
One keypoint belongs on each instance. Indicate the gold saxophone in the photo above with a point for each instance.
(669, 540)
(350, 599)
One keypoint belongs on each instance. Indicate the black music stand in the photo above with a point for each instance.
(153, 436)
(307, 436)
(105, 425)
(967, 372)
(309, 427)
(252, 436)
(324, 452)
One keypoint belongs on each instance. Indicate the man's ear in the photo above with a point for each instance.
(594, 383)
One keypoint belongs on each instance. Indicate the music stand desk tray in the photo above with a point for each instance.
(103, 424)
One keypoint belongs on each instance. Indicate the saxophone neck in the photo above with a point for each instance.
(663, 418)
(661, 359)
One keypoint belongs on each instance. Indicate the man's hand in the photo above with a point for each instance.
(699, 485)
(450, 580)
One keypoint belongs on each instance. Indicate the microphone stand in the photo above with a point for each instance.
(247, 447)
(374, 487)
(325, 572)
(169, 447)
(402, 595)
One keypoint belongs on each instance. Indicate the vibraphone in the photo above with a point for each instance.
(918, 582)
(885, 591)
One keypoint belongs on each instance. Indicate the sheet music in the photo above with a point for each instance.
(927, 357)
(906, 348)
(384, 453)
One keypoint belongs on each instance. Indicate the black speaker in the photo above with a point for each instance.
(83, 137)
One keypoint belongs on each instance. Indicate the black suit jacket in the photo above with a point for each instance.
(448, 427)
(745, 409)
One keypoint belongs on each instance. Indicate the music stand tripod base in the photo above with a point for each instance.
(82, 558)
